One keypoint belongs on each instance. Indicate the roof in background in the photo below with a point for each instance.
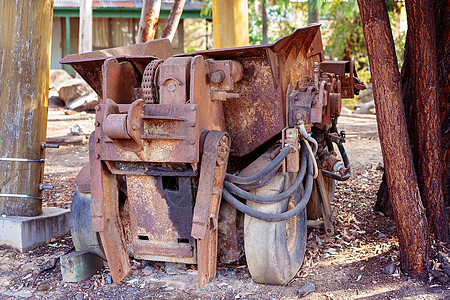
(166, 5)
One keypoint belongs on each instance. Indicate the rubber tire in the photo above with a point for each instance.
(266, 250)
(84, 238)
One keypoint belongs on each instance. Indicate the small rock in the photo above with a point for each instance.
(390, 269)
(169, 288)
(147, 270)
(381, 235)
(444, 278)
(173, 268)
(76, 130)
(108, 279)
(43, 287)
(144, 263)
(435, 273)
(307, 288)
(79, 296)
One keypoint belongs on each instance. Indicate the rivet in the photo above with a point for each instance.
(192, 124)
(97, 107)
(192, 142)
(192, 157)
(97, 140)
(98, 156)
(192, 107)
(97, 123)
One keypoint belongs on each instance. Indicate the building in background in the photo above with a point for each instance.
(116, 23)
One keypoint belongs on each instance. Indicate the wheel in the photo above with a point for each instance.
(275, 250)
(83, 236)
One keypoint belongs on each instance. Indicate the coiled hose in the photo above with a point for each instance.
(276, 198)
(270, 167)
(276, 217)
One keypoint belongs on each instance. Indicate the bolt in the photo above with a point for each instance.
(192, 142)
(97, 123)
(193, 107)
(171, 87)
(135, 126)
(97, 107)
(98, 156)
(217, 76)
(97, 140)
(193, 124)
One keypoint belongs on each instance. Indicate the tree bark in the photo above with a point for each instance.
(265, 23)
(427, 142)
(409, 214)
(174, 19)
(442, 23)
(313, 12)
(149, 20)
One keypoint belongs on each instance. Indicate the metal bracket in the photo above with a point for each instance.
(206, 211)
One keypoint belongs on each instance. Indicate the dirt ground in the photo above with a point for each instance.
(346, 266)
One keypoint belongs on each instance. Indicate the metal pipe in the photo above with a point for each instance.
(25, 40)
(308, 137)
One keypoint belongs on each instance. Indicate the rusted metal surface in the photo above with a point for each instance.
(229, 248)
(173, 80)
(162, 122)
(206, 211)
(112, 235)
(83, 181)
(89, 65)
(149, 20)
(161, 218)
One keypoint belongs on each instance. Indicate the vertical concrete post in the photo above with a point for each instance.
(230, 23)
(25, 43)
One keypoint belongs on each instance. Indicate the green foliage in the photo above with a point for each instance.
(347, 38)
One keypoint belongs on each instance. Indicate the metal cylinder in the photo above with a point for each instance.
(25, 41)
(115, 126)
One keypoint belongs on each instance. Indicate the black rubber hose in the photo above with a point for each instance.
(344, 155)
(276, 217)
(275, 198)
(335, 176)
(254, 178)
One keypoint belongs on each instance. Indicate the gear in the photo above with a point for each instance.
(149, 87)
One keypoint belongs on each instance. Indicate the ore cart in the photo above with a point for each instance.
(211, 154)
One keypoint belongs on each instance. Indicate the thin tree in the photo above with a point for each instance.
(174, 19)
(149, 20)
(409, 213)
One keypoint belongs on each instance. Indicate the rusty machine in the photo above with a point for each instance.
(211, 154)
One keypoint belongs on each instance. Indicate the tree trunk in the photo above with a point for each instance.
(313, 12)
(442, 23)
(264, 23)
(427, 144)
(149, 20)
(174, 19)
(423, 75)
(409, 214)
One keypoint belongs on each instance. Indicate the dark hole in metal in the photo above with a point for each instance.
(143, 237)
(170, 183)
(184, 241)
